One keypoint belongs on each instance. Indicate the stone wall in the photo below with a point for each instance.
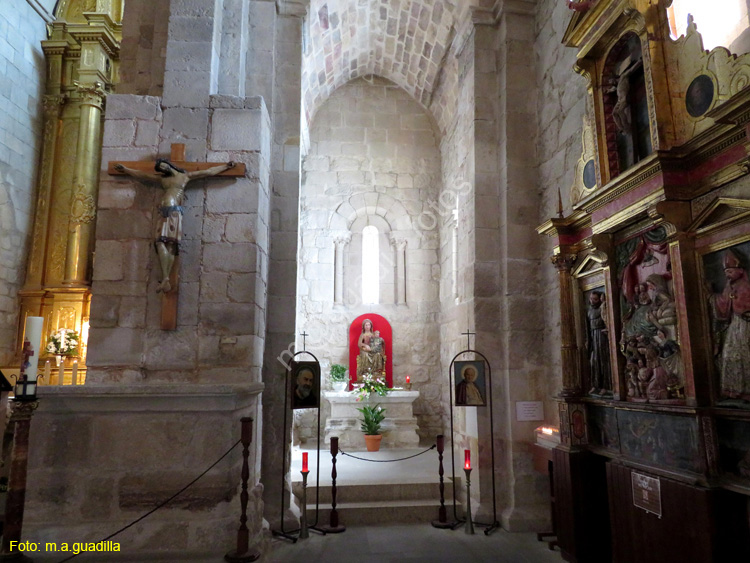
(224, 252)
(561, 106)
(101, 457)
(143, 47)
(455, 97)
(21, 89)
(374, 149)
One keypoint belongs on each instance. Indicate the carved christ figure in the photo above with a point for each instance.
(174, 181)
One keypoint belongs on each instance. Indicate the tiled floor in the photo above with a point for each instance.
(414, 543)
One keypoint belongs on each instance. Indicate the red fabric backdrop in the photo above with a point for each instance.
(355, 330)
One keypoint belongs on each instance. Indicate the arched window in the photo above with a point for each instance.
(370, 265)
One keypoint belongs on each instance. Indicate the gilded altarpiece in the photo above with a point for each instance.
(653, 262)
(81, 53)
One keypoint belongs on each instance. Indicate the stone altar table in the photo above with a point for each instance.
(399, 427)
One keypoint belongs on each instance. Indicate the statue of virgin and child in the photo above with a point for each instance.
(371, 358)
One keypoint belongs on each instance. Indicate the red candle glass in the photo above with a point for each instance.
(304, 462)
(467, 459)
(408, 379)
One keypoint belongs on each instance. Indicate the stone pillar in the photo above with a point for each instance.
(278, 29)
(234, 47)
(568, 348)
(400, 246)
(85, 186)
(340, 250)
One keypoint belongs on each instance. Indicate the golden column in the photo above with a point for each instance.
(84, 45)
(85, 186)
(570, 374)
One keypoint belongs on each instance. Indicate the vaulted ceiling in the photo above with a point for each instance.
(402, 40)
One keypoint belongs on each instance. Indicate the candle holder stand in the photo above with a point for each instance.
(452, 383)
(303, 532)
(334, 527)
(241, 555)
(283, 532)
(469, 524)
(442, 521)
(22, 411)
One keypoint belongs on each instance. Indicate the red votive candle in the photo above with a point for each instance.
(408, 379)
(304, 462)
(467, 459)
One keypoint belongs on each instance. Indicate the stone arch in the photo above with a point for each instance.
(370, 207)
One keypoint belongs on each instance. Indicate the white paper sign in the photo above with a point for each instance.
(529, 410)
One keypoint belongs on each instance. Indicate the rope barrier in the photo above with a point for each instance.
(158, 506)
(432, 447)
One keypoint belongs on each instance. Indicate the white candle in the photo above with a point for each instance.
(33, 333)
(61, 374)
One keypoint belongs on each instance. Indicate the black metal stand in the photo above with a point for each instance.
(283, 533)
(333, 526)
(241, 555)
(495, 524)
(303, 532)
(442, 521)
(469, 525)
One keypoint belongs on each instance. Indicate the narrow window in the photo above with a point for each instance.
(370, 265)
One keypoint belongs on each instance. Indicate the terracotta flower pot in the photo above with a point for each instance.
(373, 442)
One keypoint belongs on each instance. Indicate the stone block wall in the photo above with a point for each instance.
(561, 105)
(101, 457)
(21, 88)
(456, 98)
(374, 148)
(143, 47)
(224, 252)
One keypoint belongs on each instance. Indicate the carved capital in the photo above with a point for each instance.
(23, 410)
(91, 94)
(563, 262)
(296, 8)
(398, 243)
(342, 241)
(52, 104)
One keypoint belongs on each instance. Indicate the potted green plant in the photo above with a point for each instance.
(372, 416)
(338, 377)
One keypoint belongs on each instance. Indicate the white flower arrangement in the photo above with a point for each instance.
(64, 342)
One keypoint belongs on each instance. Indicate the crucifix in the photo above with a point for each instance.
(304, 336)
(468, 337)
(173, 174)
(27, 352)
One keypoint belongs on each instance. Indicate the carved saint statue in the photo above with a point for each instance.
(173, 180)
(597, 344)
(371, 357)
(731, 314)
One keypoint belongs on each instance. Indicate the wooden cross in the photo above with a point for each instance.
(468, 336)
(176, 157)
(304, 336)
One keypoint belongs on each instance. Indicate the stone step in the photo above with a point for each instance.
(378, 512)
(378, 492)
